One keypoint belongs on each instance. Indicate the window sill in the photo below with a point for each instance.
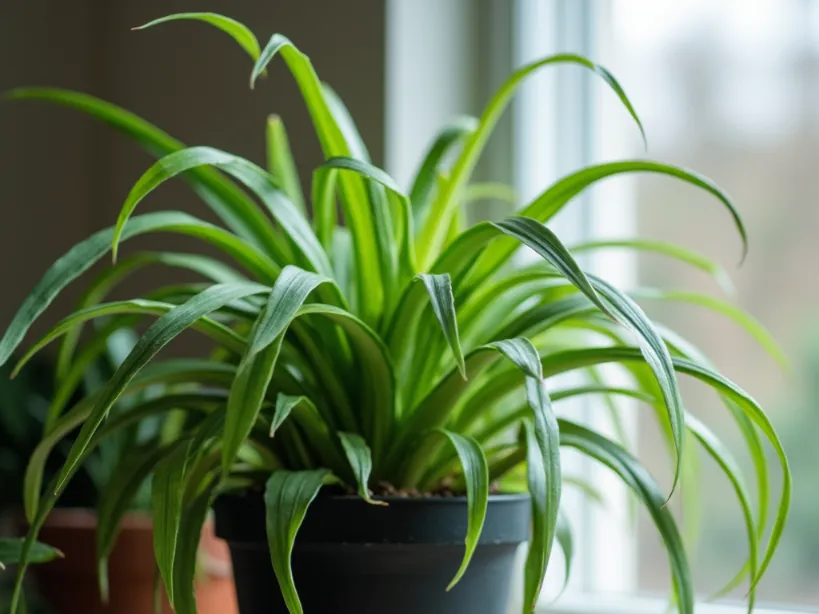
(639, 605)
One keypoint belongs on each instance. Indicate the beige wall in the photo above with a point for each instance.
(62, 176)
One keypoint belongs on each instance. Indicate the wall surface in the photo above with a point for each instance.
(62, 176)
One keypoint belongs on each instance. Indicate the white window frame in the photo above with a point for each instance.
(443, 58)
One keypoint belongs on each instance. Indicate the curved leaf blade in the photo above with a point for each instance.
(166, 511)
(442, 300)
(639, 480)
(11, 551)
(83, 255)
(432, 234)
(236, 30)
(287, 496)
(259, 359)
(672, 250)
(476, 473)
(360, 459)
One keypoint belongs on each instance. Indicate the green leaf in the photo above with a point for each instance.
(284, 405)
(616, 305)
(393, 226)
(730, 467)
(197, 502)
(639, 480)
(678, 252)
(544, 207)
(280, 162)
(83, 255)
(239, 32)
(545, 484)
(361, 462)
(216, 331)
(116, 498)
(431, 236)
(166, 512)
(354, 194)
(164, 330)
(227, 201)
(345, 123)
(452, 134)
(560, 362)
(104, 283)
(308, 249)
(747, 322)
(287, 496)
(442, 301)
(11, 551)
(476, 472)
(256, 367)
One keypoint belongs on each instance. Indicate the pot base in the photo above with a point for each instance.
(349, 557)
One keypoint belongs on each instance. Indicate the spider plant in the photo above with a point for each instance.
(365, 335)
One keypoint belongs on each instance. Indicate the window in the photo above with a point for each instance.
(730, 92)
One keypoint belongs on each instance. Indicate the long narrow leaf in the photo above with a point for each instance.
(678, 252)
(83, 255)
(431, 236)
(256, 368)
(166, 512)
(287, 496)
(639, 480)
(442, 301)
(426, 177)
(476, 472)
(116, 498)
(360, 459)
(292, 221)
(227, 201)
(11, 551)
(369, 294)
(238, 31)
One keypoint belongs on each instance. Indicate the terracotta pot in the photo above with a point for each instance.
(69, 585)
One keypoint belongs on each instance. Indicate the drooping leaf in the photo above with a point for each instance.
(239, 32)
(11, 550)
(83, 255)
(442, 301)
(298, 231)
(476, 473)
(638, 479)
(747, 322)
(360, 459)
(166, 512)
(102, 285)
(197, 502)
(287, 496)
(227, 201)
(116, 498)
(431, 236)
(678, 252)
(164, 330)
(549, 203)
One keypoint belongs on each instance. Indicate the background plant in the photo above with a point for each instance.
(377, 339)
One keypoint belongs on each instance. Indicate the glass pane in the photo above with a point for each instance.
(731, 89)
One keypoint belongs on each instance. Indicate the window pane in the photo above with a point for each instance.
(733, 92)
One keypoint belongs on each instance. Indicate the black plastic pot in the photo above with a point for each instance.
(353, 557)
